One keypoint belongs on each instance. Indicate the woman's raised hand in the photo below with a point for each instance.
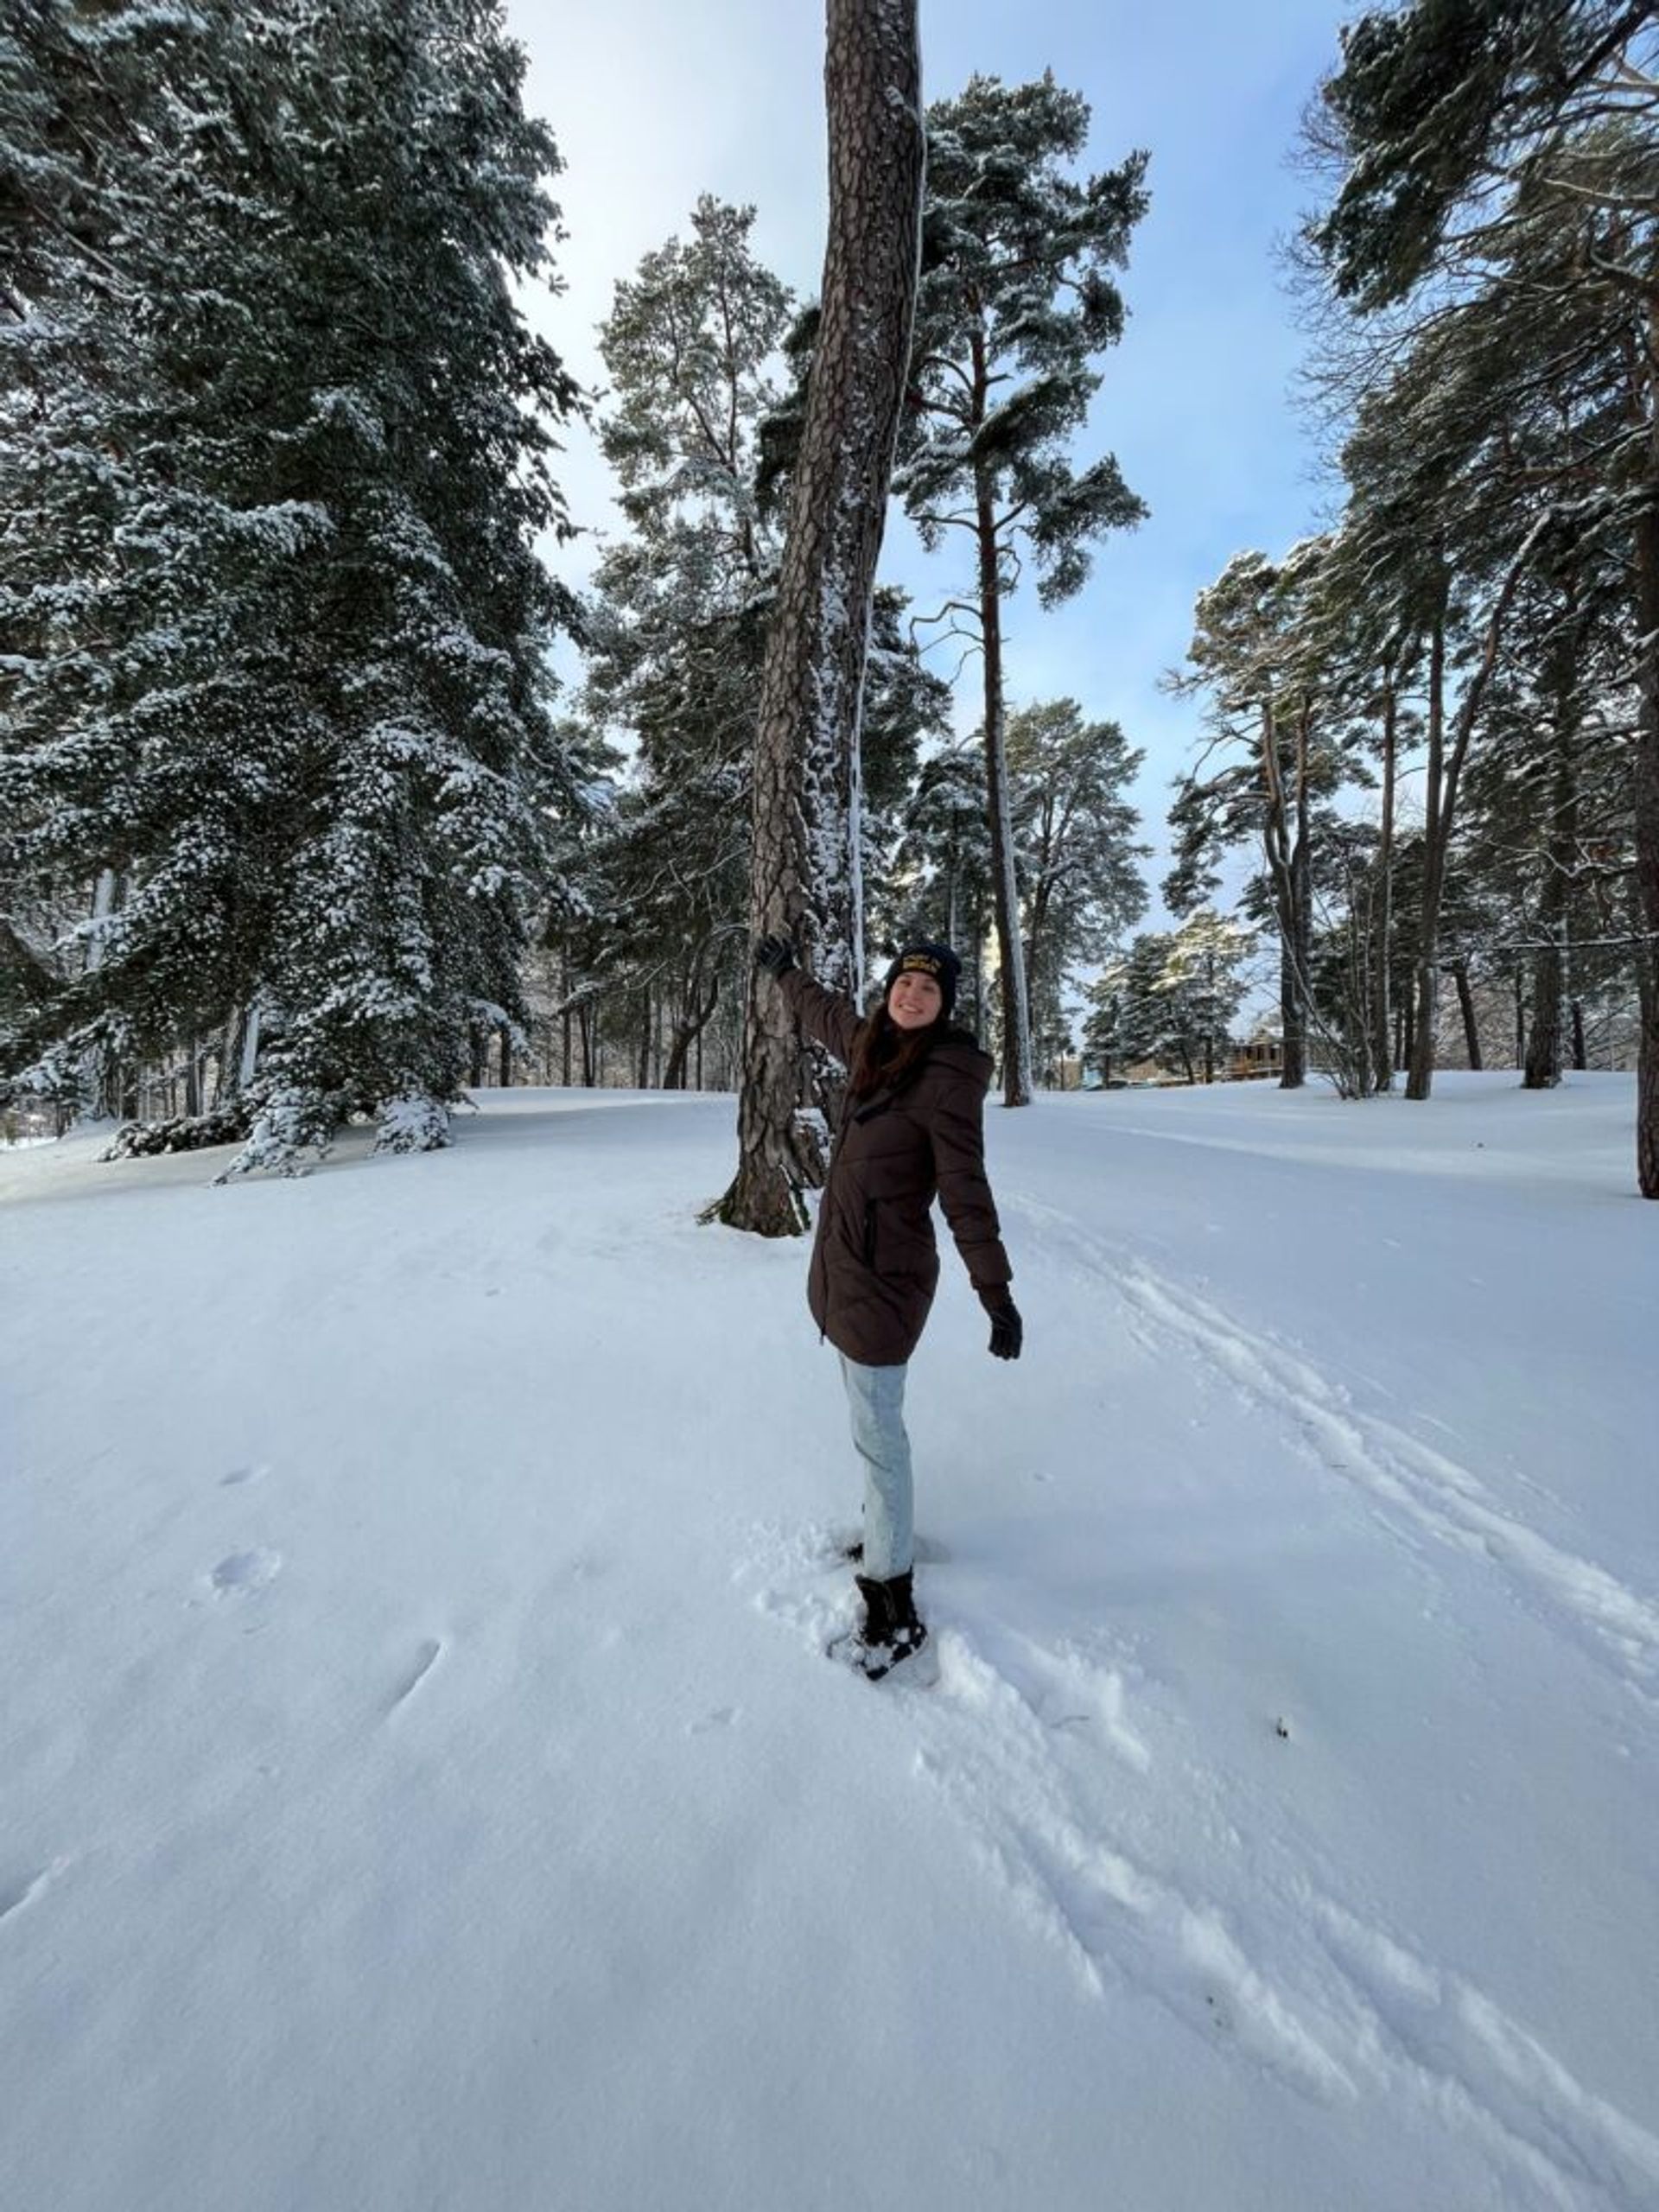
(775, 953)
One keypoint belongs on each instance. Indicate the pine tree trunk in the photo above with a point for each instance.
(1293, 1064)
(1287, 904)
(1016, 1014)
(1542, 1062)
(1426, 973)
(1579, 1060)
(1301, 881)
(1645, 778)
(1301, 878)
(811, 686)
(1382, 912)
(1466, 1008)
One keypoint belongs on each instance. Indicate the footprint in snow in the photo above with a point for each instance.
(244, 1574)
(722, 1716)
(239, 1475)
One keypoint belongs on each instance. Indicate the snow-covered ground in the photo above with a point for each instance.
(421, 1789)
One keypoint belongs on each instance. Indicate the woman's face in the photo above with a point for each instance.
(915, 1000)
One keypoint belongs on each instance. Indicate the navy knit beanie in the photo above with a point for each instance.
(927, 957)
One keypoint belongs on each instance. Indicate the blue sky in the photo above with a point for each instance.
(653, 103)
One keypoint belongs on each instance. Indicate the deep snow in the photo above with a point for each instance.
(421, 1787)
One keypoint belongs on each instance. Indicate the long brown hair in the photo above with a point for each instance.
(885, 1057)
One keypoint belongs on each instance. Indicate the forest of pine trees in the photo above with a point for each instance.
(1435, 726)
(296, 826)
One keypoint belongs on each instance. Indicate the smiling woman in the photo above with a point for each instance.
(911, 1130)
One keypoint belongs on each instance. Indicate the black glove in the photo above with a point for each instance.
(1007, 1330)
(775, 953)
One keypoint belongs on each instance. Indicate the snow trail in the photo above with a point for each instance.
(1033, 1748)
(1414, 1482)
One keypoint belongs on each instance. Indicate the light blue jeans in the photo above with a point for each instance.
(875, 1397)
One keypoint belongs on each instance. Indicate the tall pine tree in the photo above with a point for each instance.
(1018, 299)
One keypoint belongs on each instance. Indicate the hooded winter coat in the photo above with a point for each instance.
(875, 1263)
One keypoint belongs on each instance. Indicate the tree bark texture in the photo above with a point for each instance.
(812, 677)
(1419, 1076)
(1542, 1068)
(1546, 1045)
(1017, 1083)
(1646, 777)
(1287, 859)
(1466, 1010)
(1542, 1065)
(1382, 905)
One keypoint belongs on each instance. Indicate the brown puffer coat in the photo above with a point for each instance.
(874, 1262)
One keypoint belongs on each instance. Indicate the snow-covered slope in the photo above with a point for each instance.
(420, 1786)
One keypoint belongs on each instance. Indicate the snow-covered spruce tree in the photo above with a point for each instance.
(1203, 987)
(315, 773)
(424, 428)
(1169, 999)
(676, 623)
(108, 570)
(1017, 299)
(1534, 103)
(806, 807)
(1125, 1027)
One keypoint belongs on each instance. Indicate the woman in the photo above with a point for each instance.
(912, 1127)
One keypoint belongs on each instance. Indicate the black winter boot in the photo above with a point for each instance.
(890, 1635)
